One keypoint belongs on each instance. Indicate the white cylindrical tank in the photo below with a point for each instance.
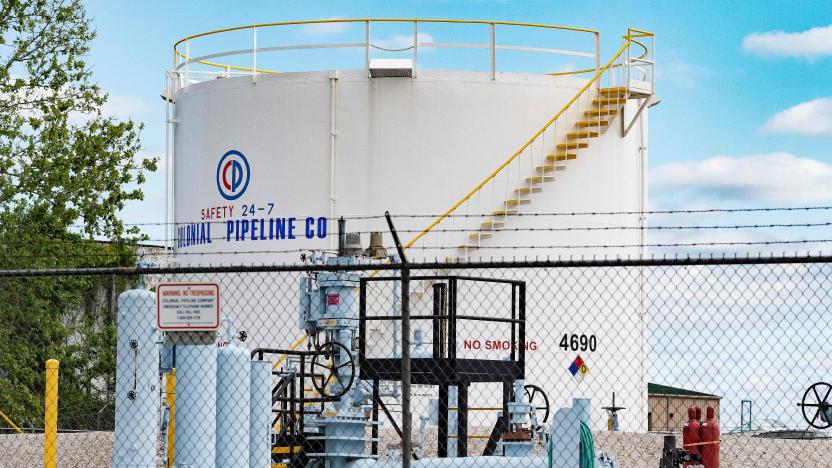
(264, 166)
(260, 414)
(233, 392)
(137, 380)
(196, 399)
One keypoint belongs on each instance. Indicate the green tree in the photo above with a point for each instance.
(66, 170)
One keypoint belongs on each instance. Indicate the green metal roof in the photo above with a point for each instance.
(657, 389)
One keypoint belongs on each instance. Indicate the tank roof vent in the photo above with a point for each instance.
(385, 68)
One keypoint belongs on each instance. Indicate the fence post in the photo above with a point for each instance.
(407, 449)
(50, 432)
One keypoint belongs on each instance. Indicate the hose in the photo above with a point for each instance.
(587, 447)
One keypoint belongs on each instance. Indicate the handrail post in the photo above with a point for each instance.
(367, 47)
(415, 48)
(493, 51)
(50, 426)
(254, 54)
(597, 58)
(187, 62)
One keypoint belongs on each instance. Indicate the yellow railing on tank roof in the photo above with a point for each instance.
(183, 58)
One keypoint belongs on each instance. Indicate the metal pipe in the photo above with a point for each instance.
(407, 443)
(333, 78)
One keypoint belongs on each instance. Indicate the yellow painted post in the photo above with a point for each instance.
(170, 400)
(50, 442)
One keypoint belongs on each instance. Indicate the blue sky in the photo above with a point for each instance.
(727, 132)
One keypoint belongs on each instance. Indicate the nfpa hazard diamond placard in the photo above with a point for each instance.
(578, 368)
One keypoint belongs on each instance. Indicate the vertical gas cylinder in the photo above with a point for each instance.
(196, 398)
(233, 392)
(691, 436)
(710, 440)
(260, 413)
(137, 380)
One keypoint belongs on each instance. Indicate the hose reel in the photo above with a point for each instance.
(819, 415)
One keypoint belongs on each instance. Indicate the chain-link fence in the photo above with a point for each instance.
(569, 363)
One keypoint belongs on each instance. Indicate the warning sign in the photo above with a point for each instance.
(578, 368)
(184, 306)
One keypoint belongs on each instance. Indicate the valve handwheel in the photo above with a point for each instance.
(820, 417)
(538, 399)
(325, 367)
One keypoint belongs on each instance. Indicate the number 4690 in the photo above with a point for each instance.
(578, 342)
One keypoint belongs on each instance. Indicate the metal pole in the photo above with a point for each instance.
(367, 47)
(254, 55)
(407, 449)
(187, 62)
(597, 58)
(415, 48)
(50, 431)
(493, 52)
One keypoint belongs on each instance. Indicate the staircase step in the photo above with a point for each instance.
(537, 179)
(516, 202)
(571, 145)
(600, 112)
(619, 91)
(523, 190)
(480, 235)
(608, 100)
(581, 134)
(488, 225)
(468, 247)
(507, 211)
(551, 168)
(592, 123)
(562, 157)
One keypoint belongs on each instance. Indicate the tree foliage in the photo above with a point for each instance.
(66, 171)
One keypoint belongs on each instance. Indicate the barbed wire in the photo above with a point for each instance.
(483, 230)
(510, 215)
(462, 248)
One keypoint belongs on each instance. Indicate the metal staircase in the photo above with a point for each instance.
(489, 206)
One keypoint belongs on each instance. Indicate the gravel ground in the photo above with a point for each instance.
(75, 450)
(631, 450)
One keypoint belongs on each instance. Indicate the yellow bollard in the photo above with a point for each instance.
(50, 442)
(170, 400)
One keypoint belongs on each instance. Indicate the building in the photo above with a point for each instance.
(667, 407)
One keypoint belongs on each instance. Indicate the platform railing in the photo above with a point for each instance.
(479, 214)
(190, 69)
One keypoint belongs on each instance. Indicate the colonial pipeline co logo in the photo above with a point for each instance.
(233, 175)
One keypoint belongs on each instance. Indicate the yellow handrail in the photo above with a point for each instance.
(522, 148)
(178, 53)
(9, 421)
(384, 20)
(294, 347)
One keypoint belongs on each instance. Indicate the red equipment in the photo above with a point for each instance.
(710, 441)
(690, 432)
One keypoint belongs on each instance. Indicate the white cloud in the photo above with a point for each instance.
(810, 44)
(675, 70)
(124, 107)
(807, 118)
(401, 41)
(324, 29)
(774, 178)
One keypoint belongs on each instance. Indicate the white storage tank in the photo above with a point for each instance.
(269, 152)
